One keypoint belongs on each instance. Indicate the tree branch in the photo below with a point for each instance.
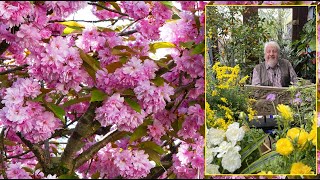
(85, 128)
(156, 172)
(111, 10)
(89, 153)
(87, 21)
(14, 69)
(2, 164)
(38, 152)
(127, 33)
(3, 47)
(130, 25)
(18, 155)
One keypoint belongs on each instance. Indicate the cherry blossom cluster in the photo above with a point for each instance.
(181, 30)
(194, 119)
(114, 162)
(153, 98)
(188, 163)
(128, 76)
(60, 66)
(25, 116)
(115, 111)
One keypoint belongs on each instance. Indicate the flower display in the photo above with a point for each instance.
(230, 141)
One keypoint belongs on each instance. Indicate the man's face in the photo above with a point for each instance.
(271, 56)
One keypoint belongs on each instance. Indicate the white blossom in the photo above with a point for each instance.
(234, 133)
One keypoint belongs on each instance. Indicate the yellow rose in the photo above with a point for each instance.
(300, 168)
(285, 112)
(300, 134)
(284, 146)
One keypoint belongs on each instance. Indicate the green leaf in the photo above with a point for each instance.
(113, 66)
(153, 156)
(167, 4)
(157, 45)
(68, 176)
(9, 143)
(257, 165)
(151, 145)
(76, 101)
(29, 170)
(158, 81)
(89, 63)
(134, 105)
(198, 49)
(95, 175)
(251, 147)
(138, 133)
(101, 3)
(57, 110)
(122, 47)
(175, 16)
(116, 6)
(127, 92)
(89, 60)
(97, 95)
(72, 24)
(188, 44)
(39, 98)
(312, 44)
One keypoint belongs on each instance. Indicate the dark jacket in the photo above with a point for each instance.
(285, 73)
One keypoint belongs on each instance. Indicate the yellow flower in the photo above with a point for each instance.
(285, 112)
(224, 100)
(214, 93)
(243, 80)
(221, 124)
(251, 113)
(265, 173)
(300, 168)
(223, 86)
(284, 146)
(300, 134)
(313, 133)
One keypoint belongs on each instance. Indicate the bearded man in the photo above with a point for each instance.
(273, 71)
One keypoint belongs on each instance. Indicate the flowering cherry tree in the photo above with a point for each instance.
(92, 102)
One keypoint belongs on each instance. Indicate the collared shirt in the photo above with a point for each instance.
(274, 75)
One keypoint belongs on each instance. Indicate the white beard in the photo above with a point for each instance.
(272, 63)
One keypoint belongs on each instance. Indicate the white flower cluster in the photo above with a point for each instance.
(223, 144)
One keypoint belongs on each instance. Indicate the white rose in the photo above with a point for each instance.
(212, 169)
(209, 155)
(223, 148)
(234, 133)
(231, 161)
(214, 136)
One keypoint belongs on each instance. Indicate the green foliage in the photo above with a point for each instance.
(233, 41)
(303, 53)
(57, 110)
(133, 104)
(97, 95)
